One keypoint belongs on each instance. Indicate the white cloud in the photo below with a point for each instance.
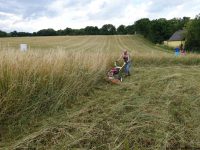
(59, 14)
(8, 20)
(173, 8)
(95, 6)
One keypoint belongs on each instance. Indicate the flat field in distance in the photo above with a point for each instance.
(90, 43)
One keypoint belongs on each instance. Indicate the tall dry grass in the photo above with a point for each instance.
(36, 83)
(165, 59)
(39, 82)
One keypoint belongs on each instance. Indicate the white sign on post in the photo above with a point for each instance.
(23, 47)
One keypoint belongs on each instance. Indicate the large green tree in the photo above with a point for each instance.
(159, 30)
(90, 30)
(193, 34)
(177, 24)
(121, 29)
(20, 34)
(108, 29)
(3, 34)
(142, 26)
(47, 32)
(130, 29)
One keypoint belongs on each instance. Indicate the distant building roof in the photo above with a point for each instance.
(178, 36)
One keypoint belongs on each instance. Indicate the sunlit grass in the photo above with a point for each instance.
(33, 84)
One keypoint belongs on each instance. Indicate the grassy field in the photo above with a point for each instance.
(55, 95)
(86, 43)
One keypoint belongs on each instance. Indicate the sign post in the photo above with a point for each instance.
(23, 47)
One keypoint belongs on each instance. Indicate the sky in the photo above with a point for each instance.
(33, 15)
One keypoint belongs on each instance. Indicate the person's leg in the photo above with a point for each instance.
(125, 68)
(128, 68)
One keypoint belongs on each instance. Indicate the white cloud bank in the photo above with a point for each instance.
(28, 15)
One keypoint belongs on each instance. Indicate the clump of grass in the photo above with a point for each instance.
(38, 83)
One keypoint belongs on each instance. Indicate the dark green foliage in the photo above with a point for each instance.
(108, 29)
(130, 29)
(90, 30)
(159, 30)
(121, 29)
(67, 31)
(142, 26)
(193, 34)
(3, 34)
(19, 34)
(47, 32)
(177, 23)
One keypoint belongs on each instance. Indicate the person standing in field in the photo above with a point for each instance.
(126, 58)
(182, 50)
(177, 51)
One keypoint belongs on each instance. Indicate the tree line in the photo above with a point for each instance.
(107, 29)
(160, 30)
(157, 30)
(193, 34)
